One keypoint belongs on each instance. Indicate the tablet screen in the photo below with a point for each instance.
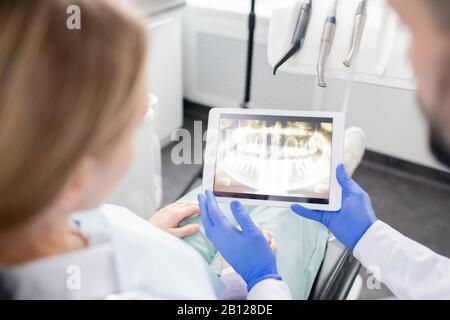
(276, 158)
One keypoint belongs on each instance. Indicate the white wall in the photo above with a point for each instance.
(391, 118)
(165, 71)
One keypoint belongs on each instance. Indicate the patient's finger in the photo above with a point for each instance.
(187, 210)
(185, 202)
(266, 234)
(273, 245)
(179, 204)
(185, 231)
(174, 207)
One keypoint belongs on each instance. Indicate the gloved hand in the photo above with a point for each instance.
(246, 250)
(350, 223)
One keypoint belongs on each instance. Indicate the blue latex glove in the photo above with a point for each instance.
(356, 215)
(246, 250)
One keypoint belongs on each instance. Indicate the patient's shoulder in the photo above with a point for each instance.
(123, 221)
(112, 209)
(120, 216)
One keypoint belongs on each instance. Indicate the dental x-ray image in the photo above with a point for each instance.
(274, 158)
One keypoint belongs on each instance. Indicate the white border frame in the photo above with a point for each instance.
(337, 154)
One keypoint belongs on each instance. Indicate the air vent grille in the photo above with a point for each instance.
(221, 64)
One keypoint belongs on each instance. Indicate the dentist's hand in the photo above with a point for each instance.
(247, 251)
(350, 223)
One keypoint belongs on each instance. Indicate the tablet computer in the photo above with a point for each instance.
(274, 158)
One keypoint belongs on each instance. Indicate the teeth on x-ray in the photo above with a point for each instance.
(285, 157)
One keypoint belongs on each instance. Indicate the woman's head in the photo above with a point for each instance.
(69, 103)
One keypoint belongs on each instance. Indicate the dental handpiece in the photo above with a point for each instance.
(329, 30)
(298, 38)
(358, 29)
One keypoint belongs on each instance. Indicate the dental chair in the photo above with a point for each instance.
(337, 273)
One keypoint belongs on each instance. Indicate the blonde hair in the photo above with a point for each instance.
(63, 94)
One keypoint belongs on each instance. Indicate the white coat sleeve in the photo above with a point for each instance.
(407, 268)
(270, 289)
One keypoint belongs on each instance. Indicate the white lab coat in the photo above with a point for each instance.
(128, 258)
(181, 273)
(407, 268)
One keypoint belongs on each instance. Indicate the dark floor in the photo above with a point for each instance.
(417, 206)
(177, 180)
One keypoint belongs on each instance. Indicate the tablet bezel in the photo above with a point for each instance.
(337, 155)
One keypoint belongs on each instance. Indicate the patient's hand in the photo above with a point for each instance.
(170, 216)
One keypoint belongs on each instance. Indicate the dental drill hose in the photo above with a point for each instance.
(358, 29)
(299, 34)
(325, 45)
